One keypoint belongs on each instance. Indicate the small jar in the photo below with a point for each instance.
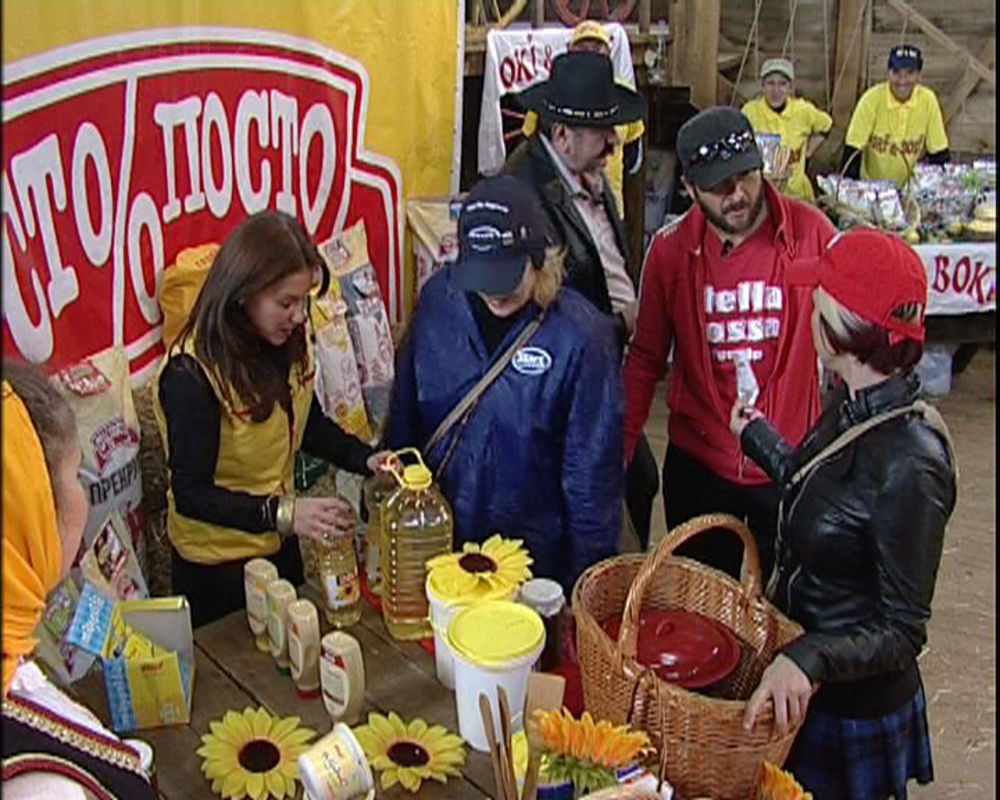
(546, 597)
(280, 594)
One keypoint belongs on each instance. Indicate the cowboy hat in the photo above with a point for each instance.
(581, 91)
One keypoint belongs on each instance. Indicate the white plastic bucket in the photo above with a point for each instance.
(474, 677)
(441, 613)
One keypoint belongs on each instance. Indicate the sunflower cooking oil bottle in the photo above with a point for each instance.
(377, 490)
(416, 526)
(337, 568)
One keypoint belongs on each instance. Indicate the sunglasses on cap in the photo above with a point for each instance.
(725, 148)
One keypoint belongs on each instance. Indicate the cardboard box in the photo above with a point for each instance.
(144, 690)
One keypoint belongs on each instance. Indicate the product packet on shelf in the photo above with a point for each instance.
(66, 663)
(338, 382)
(97, 389)
(346, 254)
(111, 564)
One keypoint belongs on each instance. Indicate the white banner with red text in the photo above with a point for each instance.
(961, 277)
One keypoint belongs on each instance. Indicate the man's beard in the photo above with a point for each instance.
(720, 222)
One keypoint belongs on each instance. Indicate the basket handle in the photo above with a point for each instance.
(750, 570)
(646, 675)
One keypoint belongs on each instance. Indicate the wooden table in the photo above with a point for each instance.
(231, 673)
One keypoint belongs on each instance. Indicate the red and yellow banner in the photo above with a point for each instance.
(134, 131)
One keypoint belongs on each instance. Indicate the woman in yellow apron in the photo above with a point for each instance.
(234, 403)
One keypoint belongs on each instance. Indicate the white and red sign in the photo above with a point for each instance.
(516, 58)
(961, 277)
(120, 152)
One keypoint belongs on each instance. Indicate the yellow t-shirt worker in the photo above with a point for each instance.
(590, 35)
(896, 123)
(801, 124)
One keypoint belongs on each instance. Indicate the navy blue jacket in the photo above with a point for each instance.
(541, 458)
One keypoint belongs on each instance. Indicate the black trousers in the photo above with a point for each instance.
(214, 590)
(690, 489)
(642, 482)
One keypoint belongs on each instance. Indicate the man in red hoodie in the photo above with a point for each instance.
(714, 291)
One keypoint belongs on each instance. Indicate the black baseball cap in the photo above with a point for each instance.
(716, 144)
(905, 56)
(499, 227)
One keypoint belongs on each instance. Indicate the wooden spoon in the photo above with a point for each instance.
(491, 737)
(507, 754)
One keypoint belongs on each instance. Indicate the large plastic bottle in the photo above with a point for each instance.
(416, 526)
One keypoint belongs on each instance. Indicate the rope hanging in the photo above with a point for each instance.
(826, 54)
(746, 50)
(790, 33)
(850, 48)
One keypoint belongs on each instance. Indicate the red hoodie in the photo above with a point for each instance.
(705, 319)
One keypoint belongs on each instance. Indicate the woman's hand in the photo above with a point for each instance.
(785, 683)
(740, 416)
(376, 460)
(323, 518)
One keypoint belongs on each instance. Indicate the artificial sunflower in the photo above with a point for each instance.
(585, 752)
(252, 754)
(409, 753)
(774, 783)
(496, 565)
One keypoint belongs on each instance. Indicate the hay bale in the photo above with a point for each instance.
(153, 467)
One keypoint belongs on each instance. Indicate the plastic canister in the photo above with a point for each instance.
(445, 600)
(495, 643)
(416, 526)
(257, 574)
(335, 768)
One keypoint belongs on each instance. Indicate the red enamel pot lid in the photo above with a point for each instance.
(682, 647)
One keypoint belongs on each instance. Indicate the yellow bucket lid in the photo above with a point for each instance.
(442, 586)
(494, 633)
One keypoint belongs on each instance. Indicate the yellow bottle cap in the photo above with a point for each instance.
(417, 476)
(495, 633)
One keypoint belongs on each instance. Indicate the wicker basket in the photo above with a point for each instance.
(703, 746)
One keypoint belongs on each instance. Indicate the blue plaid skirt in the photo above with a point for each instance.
(863, 759)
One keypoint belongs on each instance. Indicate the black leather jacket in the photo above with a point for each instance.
(532, 163)
(859, 545)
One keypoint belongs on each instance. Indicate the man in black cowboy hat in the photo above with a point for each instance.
(578, 107)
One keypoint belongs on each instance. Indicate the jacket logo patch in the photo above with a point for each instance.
(532, 361)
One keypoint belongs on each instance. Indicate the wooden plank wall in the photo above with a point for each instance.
(969, 22)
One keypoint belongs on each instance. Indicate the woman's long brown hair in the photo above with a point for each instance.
(265, 248)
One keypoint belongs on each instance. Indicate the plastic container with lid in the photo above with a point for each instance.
(335, 768)
(303, 647)
(416, 526)
(683, 647)
(257, 574)
(446, 599)
(495, 643)
(280, 594)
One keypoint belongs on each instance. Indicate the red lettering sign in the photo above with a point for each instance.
(121, 152)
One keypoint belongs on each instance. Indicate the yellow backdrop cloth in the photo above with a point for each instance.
(32, 549)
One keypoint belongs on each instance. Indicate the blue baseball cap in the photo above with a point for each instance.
(905, 56)
(500, 226)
